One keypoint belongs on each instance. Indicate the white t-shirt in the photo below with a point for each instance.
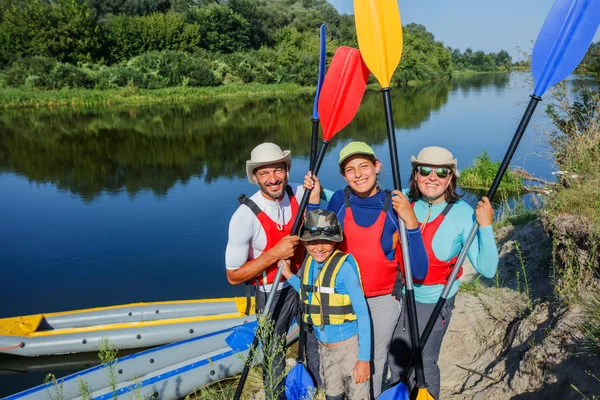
(247, 238)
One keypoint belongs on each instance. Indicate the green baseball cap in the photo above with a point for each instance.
(354, 148)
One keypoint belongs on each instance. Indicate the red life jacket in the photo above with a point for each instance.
(438, 270)
(274, 235)
(378, 273)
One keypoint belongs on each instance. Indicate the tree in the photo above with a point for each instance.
(221, 29)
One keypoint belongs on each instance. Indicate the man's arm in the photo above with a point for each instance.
(250, 269)
(242, 232)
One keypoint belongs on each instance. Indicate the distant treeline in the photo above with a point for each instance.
(162, 43)
(480, 61)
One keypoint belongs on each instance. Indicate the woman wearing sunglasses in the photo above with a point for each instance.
(369, 217)
(445, 221)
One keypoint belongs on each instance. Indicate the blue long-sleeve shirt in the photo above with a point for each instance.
(346, 282)
(366, 211)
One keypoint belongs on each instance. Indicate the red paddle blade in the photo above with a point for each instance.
(342, 90)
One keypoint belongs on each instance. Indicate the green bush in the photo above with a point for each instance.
(35, 71)
(221, 29)
(128, 36)
(118, 76)
(171, 68)
(69, 76)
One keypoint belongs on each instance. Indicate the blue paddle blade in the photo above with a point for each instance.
(563, 41)
(299, 384)
(398, 392)
(242, 336)
(322, 59)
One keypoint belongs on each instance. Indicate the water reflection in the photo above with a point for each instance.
(91, 151)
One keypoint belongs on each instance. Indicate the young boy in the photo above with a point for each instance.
(332, 300)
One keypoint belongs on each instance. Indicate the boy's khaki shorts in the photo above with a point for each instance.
(337, 368)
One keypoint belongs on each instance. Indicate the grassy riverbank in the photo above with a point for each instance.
(12, 98)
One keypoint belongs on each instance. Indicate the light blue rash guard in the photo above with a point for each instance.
(346, 282)
(450, 239)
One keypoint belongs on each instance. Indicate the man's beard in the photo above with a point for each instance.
(274, 195)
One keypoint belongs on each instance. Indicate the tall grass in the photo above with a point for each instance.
(573, 208)
(11, 98)
(482, 172)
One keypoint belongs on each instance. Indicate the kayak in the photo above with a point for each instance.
(168, 372)
(124, 326)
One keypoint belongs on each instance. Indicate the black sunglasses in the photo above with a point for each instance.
(329, 231)
(441, 172)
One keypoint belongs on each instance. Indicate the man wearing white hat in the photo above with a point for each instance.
(259, 237)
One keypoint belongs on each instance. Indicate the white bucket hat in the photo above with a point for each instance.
(434, 155)
(265, 154)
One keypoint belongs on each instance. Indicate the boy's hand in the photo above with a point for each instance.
(287, 271)
(362, 371)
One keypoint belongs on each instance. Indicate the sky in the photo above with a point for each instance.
(488, 25)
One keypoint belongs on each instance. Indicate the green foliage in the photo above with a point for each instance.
(591, 326)
(241, 41)
(480, 61)
(62, 29)
(128, 36)
(423, 58)
(108, 358)
(170, 68)
(221, 29)
(481, 174)
(130, 7)
(591, 61)
(54, 387)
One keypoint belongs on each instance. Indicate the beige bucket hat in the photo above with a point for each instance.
(265, 154)
(434, 155)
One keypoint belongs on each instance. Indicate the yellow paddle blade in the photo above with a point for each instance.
(422, 394)
(379, 33)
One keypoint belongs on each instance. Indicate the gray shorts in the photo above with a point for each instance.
(337, 368)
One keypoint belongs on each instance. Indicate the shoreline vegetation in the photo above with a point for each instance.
(88, 52)
(16, 98)
(31, 98)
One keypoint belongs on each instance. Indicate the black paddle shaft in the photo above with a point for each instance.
(491, 193)
(269, 305)
(410, 296)
(391, 134)
(314, 142)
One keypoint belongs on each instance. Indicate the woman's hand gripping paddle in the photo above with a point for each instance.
(561, 44)
(315, 114)
(298, 383)
(379, 33)
(340, 97)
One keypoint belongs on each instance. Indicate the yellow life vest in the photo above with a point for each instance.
(326, 306)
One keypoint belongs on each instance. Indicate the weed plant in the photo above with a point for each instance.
(54, 387)
(108, 358)
(480, 175)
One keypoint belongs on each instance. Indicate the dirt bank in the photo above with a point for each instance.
(512, 340)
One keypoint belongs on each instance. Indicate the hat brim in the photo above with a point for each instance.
(453, 165)
(251, 166)
(364, 153)
(306, 237)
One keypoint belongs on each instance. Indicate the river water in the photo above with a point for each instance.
(105, 206)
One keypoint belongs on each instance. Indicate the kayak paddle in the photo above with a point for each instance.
(298, 383)
(341, 94)
(560, 46)
(379, 33)
(315, 114)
